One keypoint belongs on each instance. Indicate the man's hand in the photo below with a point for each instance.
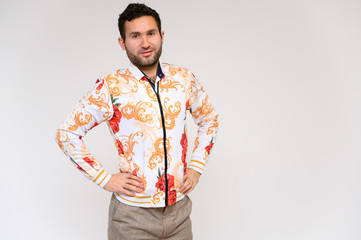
(190, 180)
(125, 183)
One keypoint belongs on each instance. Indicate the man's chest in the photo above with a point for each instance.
(138, 100)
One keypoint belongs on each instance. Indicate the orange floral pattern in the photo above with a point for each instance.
(135, 116)
(171, 113)
(80, 120)
(157, 155)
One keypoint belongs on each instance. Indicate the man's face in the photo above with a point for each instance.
(143, 41)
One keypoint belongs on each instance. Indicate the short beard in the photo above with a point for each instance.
(147, 63)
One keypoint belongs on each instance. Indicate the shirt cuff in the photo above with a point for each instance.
(197, 165)
(101, 178)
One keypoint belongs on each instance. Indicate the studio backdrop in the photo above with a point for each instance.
(284, 77)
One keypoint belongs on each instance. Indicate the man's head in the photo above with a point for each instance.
(136, 10)
(141, 35)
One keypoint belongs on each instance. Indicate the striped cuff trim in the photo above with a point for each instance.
(195, 161)
(197, 168)
(102, 178)
(197, 165)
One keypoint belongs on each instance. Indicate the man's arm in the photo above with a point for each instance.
(205, 116)
(93, 109)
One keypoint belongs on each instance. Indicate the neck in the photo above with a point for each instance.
(150, 71)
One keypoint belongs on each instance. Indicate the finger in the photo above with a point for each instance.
(136, 178)
(185, 179)
(183, 185)
(126, 192)
(135, 183)
(186, 185)
(132, 188)
(190, 189)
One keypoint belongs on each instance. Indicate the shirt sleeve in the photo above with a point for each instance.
(205, 116)
(92, 109)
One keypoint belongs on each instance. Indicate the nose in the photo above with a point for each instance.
(145, 42)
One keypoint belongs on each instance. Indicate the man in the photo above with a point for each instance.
(145, 108)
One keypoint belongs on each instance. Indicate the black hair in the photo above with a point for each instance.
(133, 11)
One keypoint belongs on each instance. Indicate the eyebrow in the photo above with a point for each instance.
(151, 30)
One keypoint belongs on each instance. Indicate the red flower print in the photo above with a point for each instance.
(134, 172)
(172, 197)
(95, 124)
(117, 114)
(184, 155)
(80, 168)
(161, 182)
(187, 104)
(170, 181)
(100, 85)
(184, 146)
(114, 126)
(89, 161)
(184, 140)
(114, 122)
(120, 147)
(209, 147)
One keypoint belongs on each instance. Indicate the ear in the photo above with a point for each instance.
(162, 36)
(121, 43)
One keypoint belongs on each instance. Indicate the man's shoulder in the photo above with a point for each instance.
(118, 73)
(174, 69)
(121, 73)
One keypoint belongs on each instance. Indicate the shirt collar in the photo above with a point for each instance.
(138, 74)
(160, 73)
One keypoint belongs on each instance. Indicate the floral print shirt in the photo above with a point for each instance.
(148, 127)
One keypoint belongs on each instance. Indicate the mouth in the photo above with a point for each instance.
(146, 53)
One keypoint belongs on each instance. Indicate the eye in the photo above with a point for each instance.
(151, 33)
(134, 36)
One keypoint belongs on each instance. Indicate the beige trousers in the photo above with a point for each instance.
(135, 223)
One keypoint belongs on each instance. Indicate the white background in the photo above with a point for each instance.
(285, 77)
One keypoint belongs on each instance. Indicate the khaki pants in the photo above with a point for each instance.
(134, 223)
